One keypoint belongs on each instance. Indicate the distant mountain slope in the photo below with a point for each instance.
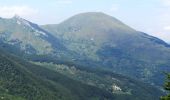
(101, 40)
(27, 36)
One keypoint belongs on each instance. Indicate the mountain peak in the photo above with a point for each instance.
(96, 22)
(17, 16)
(93, 13)
(20, 20)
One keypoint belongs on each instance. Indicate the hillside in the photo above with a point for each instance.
(27, 36)
(103, 41)
(20, 80)
(90, 56)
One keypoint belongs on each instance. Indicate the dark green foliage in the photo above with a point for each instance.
(15, 80)
(167, 88)
(105, 79)
(22, 80)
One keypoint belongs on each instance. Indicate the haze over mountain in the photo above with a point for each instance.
(91, 51)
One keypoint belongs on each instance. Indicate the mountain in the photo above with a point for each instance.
(21, 80)
(92, 49)
(102, 41)
(27, 36)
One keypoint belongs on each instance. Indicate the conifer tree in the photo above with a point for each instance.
(167, 88)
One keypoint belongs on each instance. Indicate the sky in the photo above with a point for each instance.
(149, 16)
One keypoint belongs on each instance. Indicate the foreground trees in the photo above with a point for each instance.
(167, 87)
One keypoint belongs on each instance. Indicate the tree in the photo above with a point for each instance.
(167, 88)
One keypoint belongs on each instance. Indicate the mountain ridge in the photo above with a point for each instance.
(91, 40)
(92, 50)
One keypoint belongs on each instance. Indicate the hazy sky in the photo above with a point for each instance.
(150, 16)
